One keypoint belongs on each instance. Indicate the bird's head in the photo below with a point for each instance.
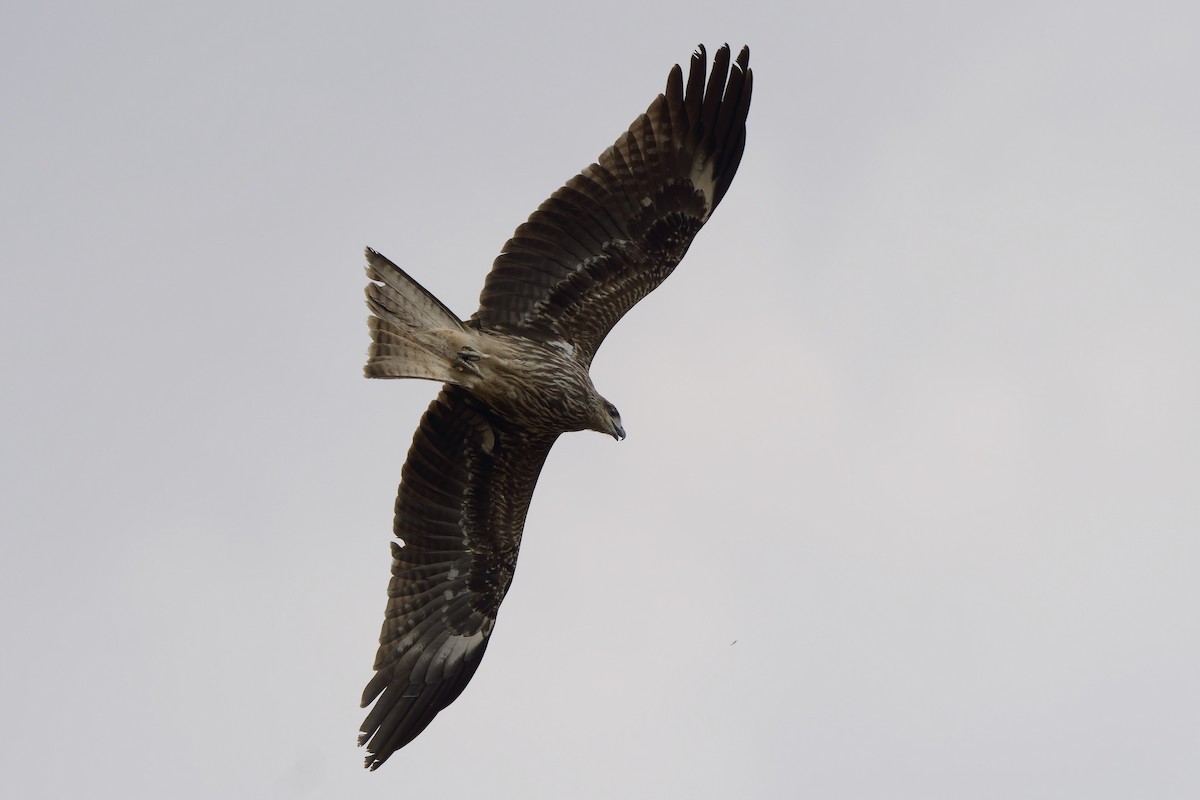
(608, 419)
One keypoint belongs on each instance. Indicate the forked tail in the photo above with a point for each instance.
(412, 334)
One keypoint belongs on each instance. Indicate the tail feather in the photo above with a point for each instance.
(411, 330)
(392, 355)
(398, 297)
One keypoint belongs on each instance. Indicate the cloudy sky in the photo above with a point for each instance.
(910, 503)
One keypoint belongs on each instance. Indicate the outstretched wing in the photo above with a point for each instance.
(615, 231)
(464, 493)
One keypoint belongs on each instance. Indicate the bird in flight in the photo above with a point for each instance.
(516, 377)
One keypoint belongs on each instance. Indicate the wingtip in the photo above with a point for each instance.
(743, 59)
(675, 78)
(373, 760)
(721, 58)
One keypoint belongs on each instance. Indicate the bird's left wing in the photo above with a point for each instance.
(464, 492)
(615, 231)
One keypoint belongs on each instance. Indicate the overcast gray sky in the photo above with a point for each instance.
(908, 507)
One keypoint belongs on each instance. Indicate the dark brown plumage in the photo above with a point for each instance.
(516, 377)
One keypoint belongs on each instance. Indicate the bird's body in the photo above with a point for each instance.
(541, 384)
(517, 376)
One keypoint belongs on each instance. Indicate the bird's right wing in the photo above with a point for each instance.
(464, 493)
(615, 231)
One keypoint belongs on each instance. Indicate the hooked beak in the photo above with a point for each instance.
(618, 432)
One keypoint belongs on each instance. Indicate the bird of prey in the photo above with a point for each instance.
(516, 377)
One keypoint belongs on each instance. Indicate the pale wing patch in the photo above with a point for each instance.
(456, 649)
(458, 646)
(704, 179)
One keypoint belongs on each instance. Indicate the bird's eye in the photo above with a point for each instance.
(612, 410)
